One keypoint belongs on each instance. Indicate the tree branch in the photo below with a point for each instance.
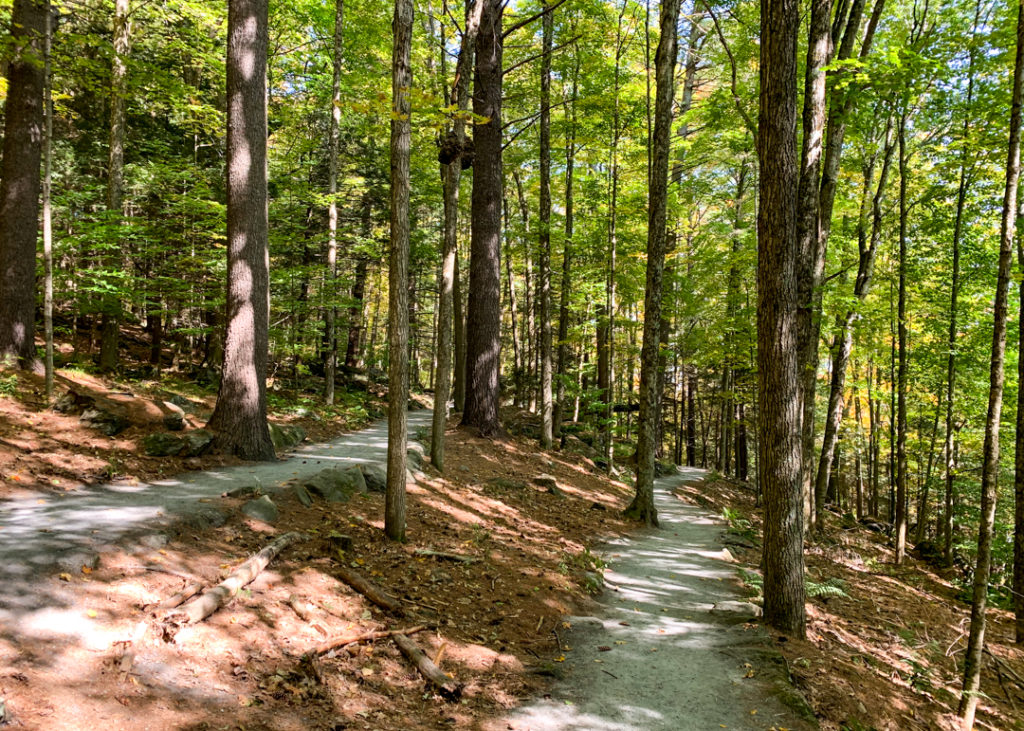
(732, 65)
(516, 26)
(559, 47)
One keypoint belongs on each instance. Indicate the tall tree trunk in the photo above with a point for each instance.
(47, 210)
(867, 244)
(779, 412)
(900, 527)
(544, 255)
(398, 270)
(331, 312)
(528, 331)
(690, 386)
(353, 348)
(642, 508)
(240, 416)
(606, 365)
(111, 304)
(819, 51)
(483, 328)
(567, 254)
(990, 458)
(451, 173)
(19, 182)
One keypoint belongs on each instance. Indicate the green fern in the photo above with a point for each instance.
(828, 589)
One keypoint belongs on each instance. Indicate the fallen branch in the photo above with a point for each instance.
(370, 590)
(459, 557)
(448, 688)
(336, 643)
(216, 597)
(301, 608)
(176, 600)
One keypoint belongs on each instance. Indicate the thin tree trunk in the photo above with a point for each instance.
(779, 412)
(331, 312)
(240, 415)
(47, 210)
(459, 323)
(867, 245)
(111, 302)
(567, 254)
(398, 271)
(900, 527)
(642, 507)
(544, 255)
(990, 459)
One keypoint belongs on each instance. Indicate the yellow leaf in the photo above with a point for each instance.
(65, 577)
(560, 658)
(86, 570)
(91, 613)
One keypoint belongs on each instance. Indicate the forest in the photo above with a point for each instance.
(774, 242)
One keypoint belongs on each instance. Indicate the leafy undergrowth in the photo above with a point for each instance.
(492, 623)
(889, 654)
(42, 450)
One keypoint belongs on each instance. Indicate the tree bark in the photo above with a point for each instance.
(20, 182)
(240, 415)
(47, 209)
(483, 328)
(642, 508)
(111, 302)
(990, 458)
(900, 526)
(544, 254)
(398, 271)
(779, 411)
(450, 176)
(567, 254)
(331, 312)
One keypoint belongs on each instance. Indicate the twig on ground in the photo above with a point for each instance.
(448, 688)
(336, 643)
(369, 590)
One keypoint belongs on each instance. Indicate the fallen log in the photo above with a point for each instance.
(336, 643)
(448, 688)
(216, 597)
(458, 557)
(370, 590)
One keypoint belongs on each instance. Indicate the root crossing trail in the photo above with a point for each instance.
(658, 657)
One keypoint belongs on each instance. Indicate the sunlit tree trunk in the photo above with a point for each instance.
(544, 253)
(398, 271)
(331, 312)
(990, 455)
(779, 411)
(642, 507)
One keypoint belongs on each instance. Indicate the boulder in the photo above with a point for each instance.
(505, 483)
(574, 445)
(262, 508)
(336, 484)
(286, 436)
(203, 517)
(174, 418)
(545, 481)
(736, 611)
(162, 444)
(416, 454)
(303, 495)
(375, 476)
(196, 442)
(107, 422)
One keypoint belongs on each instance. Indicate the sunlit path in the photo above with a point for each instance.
(672, 664)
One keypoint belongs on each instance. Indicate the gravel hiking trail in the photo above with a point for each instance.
(39, 534)
(660, 655)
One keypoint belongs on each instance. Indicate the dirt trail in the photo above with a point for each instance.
(38, 534)
(658, 657)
